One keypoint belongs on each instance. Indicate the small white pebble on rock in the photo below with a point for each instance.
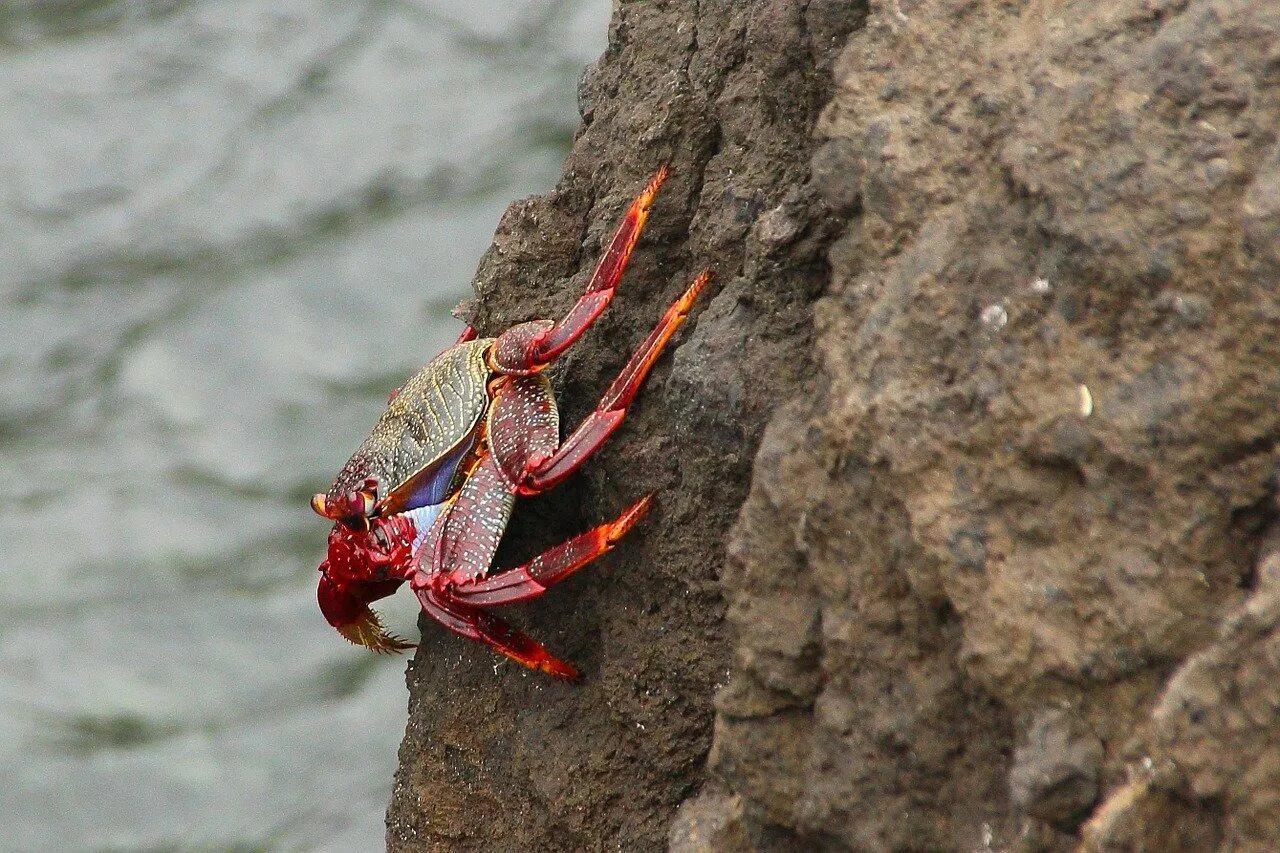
(994, 317)
(1041, 286)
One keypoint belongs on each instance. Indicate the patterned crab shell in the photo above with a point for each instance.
(412, 454)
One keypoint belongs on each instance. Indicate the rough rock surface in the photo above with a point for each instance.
(500, 759)
(1018, 575)
(1007, 572)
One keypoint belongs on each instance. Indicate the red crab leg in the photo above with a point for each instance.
(552, 566)
(475, 624)
(465, 537)
(612, 408)
(529, 347)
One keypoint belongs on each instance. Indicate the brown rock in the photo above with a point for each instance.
(939, 550)
(499, 759)
(1055, 772)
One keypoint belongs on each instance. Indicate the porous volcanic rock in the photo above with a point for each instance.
(1024, 529)
(497, 758)
(1007, 573)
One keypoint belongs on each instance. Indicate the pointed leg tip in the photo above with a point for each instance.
(630, 516)
(654, 183)
(637, 510)
(560, 669)
(703, 279)
(681, 307)
(533, 655)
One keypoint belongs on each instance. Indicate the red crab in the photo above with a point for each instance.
(427, 496)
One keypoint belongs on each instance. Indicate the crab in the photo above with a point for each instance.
(426, 498)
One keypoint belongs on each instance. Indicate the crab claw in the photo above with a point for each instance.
(348, 611)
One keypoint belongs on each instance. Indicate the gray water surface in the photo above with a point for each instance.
(227, 230)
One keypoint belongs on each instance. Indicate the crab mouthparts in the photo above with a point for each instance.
(368, 631)
(351, 617)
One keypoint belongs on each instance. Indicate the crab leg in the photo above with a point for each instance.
(459, 547)
(465, 536)
(529, 347)
(449, 576)
(597, 427)
(552, 566)
(475, 624)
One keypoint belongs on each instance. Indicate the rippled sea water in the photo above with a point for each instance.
(227, 230)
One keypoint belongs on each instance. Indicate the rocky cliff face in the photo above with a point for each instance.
(1007, 573)
(728, 94)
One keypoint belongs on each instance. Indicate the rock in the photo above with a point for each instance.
(710, 822)
(1261, 210)
(1186, 308)
(983, 548)
(837, 174)
(728, 94)
(1055, 773)
(940, 548)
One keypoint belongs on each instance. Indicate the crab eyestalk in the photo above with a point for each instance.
(347, 610)
(355, 506)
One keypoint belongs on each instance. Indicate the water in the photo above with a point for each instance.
(227, 230)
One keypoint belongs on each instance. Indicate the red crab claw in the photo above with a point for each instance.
(362, 567)
(346, 608)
